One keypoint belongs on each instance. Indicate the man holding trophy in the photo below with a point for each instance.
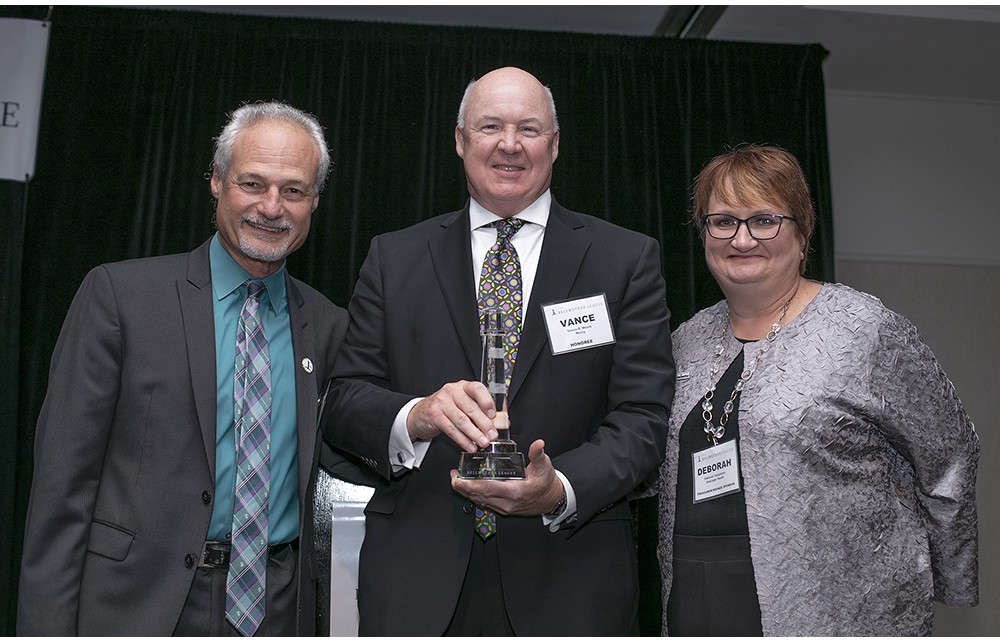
(511, 325)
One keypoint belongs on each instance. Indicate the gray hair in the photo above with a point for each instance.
(254, 113)
(468, 92)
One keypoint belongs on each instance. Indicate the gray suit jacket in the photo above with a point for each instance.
(124, 479)
(602, 413)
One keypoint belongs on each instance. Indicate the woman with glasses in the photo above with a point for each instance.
(820, 470)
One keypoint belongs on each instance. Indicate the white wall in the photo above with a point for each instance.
(915, 179)
(917, 223)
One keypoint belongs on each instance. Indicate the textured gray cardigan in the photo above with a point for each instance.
(859, 465)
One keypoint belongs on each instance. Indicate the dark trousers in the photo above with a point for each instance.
(204, 612)
(713, 592)
(481, 610)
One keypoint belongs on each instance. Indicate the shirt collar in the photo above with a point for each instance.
(537, 212)
(228, 276)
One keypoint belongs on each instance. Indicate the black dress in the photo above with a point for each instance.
(713, 591)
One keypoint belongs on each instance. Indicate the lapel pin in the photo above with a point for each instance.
(307, 365)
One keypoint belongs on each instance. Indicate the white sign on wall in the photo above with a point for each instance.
(23, 47)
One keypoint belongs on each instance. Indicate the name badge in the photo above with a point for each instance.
(578, 324)
(716, 471)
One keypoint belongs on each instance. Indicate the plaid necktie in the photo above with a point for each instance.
(500, 288)
(252, 405)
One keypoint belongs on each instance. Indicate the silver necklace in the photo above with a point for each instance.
(713, 432)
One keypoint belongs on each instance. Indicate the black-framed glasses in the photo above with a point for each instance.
(761, 226)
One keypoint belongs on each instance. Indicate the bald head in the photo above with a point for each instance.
(508, 74)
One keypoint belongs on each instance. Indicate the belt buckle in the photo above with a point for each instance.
(215, 555)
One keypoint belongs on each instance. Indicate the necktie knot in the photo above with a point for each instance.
(255, 289)
(507, 228)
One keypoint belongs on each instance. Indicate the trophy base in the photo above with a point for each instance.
(487, 465)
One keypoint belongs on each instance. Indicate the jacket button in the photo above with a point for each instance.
(467, 506)
(189, 561)
(206, 497)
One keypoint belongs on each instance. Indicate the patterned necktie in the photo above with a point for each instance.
(252, 405)
(500, 288)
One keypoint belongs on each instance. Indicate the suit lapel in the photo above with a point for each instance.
(565, 245)
(306, 397)
(452, 270)
(194, 292)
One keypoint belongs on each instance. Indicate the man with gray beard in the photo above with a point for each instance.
(176, 451)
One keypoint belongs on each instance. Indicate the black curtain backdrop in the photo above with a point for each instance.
(134, 97)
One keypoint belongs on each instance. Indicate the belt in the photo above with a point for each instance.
(215, 554)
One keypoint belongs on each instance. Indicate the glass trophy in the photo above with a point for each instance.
(500, 460)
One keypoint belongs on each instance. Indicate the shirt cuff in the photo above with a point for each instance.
(554, 522)
(404, 454)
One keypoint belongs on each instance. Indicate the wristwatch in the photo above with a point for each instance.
(559, 508)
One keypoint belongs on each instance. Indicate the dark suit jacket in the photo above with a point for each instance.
(124, 477)
(602, 413)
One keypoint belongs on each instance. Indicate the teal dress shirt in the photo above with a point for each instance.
(229, 293)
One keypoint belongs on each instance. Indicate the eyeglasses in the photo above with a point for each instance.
(761, 226)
